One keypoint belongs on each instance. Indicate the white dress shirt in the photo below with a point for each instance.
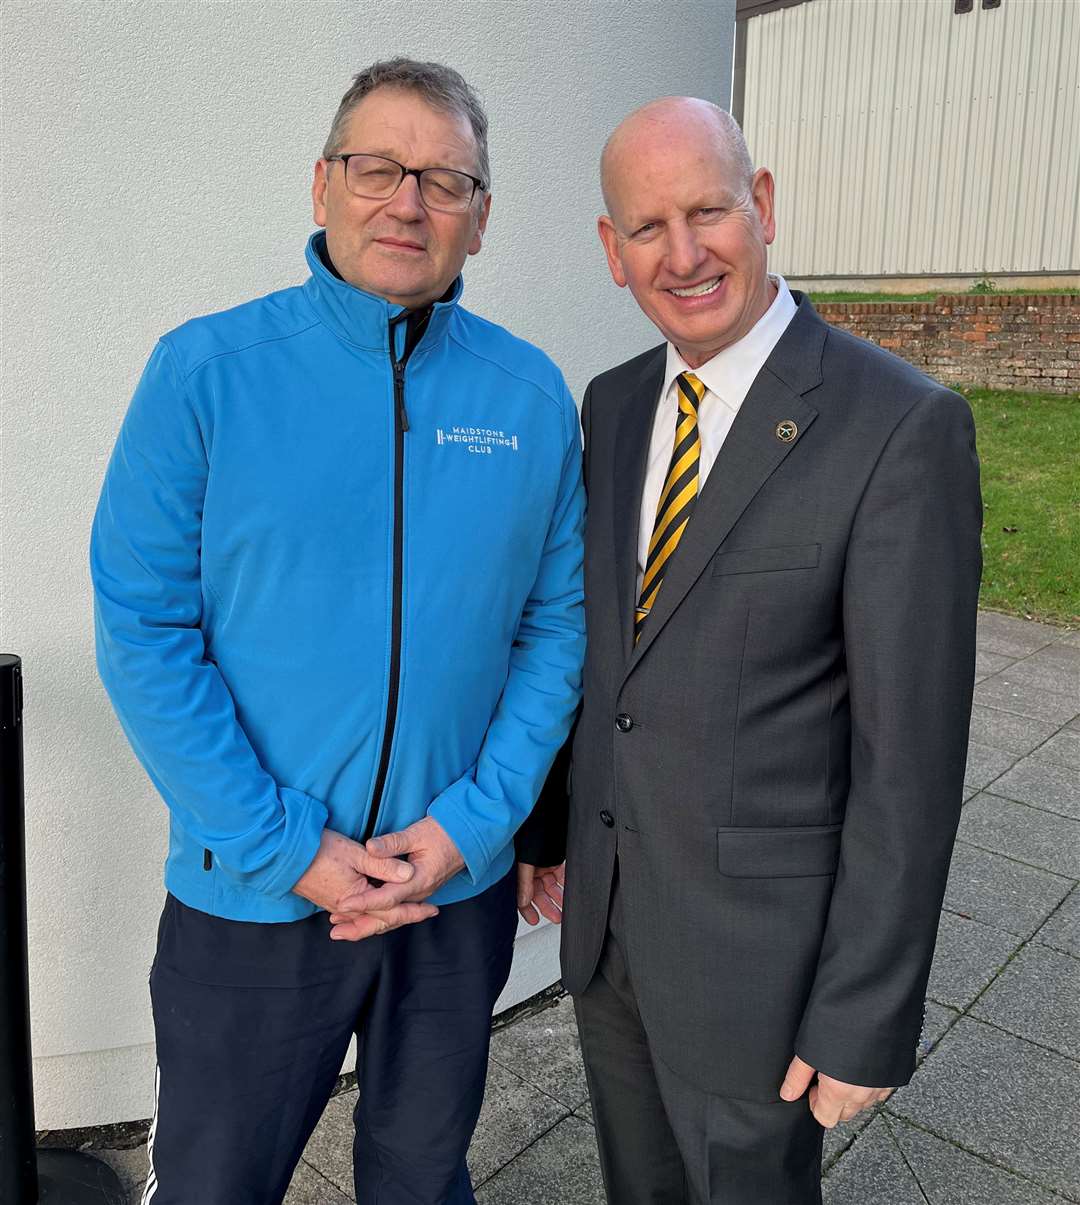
(727, 378)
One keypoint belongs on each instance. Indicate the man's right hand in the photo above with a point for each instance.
(540, 892)
(343, 867)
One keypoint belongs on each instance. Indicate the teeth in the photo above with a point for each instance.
(698, 290)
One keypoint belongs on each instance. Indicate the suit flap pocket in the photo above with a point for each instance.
(767, 560)
(778, 852)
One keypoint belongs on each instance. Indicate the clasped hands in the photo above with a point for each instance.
(540, 893)
(373, 888)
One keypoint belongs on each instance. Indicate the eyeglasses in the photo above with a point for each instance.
(378, 178)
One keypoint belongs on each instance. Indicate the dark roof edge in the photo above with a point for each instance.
(744, 9)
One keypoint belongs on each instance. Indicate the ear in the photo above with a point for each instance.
(609, 237)
(318, 192)
(762, 190)
(477, 240)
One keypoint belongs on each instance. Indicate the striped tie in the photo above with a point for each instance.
(677, 498)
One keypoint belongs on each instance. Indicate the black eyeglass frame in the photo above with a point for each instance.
(477, 183)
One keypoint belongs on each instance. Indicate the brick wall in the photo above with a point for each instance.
(994, 340)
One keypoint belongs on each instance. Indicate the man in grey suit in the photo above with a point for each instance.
(782, 570)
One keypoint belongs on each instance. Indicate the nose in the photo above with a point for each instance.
(685, 252)
(405, 204)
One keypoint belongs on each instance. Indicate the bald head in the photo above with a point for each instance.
(669, 123)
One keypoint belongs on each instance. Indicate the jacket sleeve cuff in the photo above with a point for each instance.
(867, 1062)
(305, 819)
(450, 809)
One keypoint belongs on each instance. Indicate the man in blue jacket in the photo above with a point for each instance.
(337, 567)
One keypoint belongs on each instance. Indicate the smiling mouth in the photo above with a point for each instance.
(701, 290)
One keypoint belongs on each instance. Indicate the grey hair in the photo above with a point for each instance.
(441, 86)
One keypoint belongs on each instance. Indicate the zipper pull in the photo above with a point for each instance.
(399, 393)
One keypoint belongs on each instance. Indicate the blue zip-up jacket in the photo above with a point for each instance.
(326, 599)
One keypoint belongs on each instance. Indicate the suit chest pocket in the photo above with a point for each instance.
(766, 560)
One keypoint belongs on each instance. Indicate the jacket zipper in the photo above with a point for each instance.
(401, 425)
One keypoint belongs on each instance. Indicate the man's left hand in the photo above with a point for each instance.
(434, 857)
(831, 1100)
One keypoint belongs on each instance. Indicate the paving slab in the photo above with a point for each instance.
(840, 1137)
(936, 1022)
(984, 765)
(329, 1149)
(1026, 834)
(545, 1051)
(1062, 930)
(872, 1169)
(1042, 785)
(1037, 996)
(1012, 637)
(987, 664)
(1017, 734)
(1006, 694)
(131, 1166)
(514, 1115)
(997, 891)
(1061, 654)
(1072, 639)
(308, 1187)
(948, 1174)
(562, 1166)
(967, 957)
(1056, 668)
(1063, 749)
(1007, 1100)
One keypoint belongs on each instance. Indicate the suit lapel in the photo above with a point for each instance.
(631, 457)
(749, 456)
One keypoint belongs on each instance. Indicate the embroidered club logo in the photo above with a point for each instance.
(480, 441)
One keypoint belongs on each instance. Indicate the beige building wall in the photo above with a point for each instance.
(909, 140)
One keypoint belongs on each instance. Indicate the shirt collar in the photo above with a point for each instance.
(731, 372)
(363, 318)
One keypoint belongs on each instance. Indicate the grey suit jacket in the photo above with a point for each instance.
(778, 764)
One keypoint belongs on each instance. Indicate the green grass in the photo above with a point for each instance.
(1002, 288)
(1029, 449)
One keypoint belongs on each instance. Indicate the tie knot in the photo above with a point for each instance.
(691, 391)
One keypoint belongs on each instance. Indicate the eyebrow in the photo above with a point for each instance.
(385, 154)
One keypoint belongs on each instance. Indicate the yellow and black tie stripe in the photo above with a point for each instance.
(677, 498)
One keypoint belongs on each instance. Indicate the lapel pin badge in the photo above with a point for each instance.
(787, 430)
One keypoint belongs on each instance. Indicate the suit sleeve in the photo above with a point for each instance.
(482, 810)
(541, 840)
(170, 697)
(911, 586)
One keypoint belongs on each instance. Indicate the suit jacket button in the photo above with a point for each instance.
(607, 818)
(623, 722)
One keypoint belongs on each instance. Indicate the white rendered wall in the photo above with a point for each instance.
(156, 165)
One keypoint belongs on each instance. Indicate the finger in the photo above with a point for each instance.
(372, 924)
(552, 909)
(391, 845)
(525, 876)
(378, 899)
(796, 1079)
(553, 887)
(387, 870)
(529, 914)
(825, 1110)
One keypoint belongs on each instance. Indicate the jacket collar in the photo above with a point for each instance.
(363, 319)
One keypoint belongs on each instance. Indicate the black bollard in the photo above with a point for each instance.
(27, 1176)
